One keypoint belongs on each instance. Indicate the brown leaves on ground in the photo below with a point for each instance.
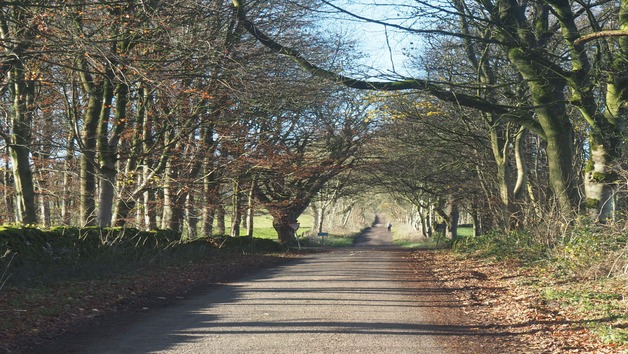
(30, 315)
(504, 298)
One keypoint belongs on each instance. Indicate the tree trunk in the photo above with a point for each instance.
(66, 200)
(166, 214)
(510, 194)
(598, 191)
(607, 132)
(87, 164)
(210, 185)
(130, 193)
(453, 213)
(149, 195)
(207, 222)
(285, 220)
(191, 217)
(220, 219)
(251, 209)
(173, 212)
(236, 213)
(321, 217)
(87, 185)
(477, 222)
(426, 227)
(126, 200)
(107, 169)
(122, 210)
(71, 111)
(176, 215)
(44, 210)
(106, 193)
(8, 197)
(315, 212)
(348, 212)
(210, 199)
(519, 190)
(24, 186)
(449, 211)
(21, 94)
(284, 223)
(108, 150)
(500, 145)
(547, 91)
(562, 177)
(548, 97)
(285, 232)
(607, 118)
(522, 168)
(150, 212)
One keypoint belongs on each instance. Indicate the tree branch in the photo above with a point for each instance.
(595, 35)
(413, 30)
(407, 84)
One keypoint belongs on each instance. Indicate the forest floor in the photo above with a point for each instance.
(508, 299)
(498, 296)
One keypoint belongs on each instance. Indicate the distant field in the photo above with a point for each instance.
(263, 226)
(407, 236)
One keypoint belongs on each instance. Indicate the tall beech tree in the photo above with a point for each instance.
(149, 77)
(97, 70)
(20, 24)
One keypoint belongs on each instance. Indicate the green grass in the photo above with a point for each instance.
(424, 243)
(407, 237)
(330, 241)
(602, 303)
(263, 229)
(263, 226)
(465, 231)
(267, 233)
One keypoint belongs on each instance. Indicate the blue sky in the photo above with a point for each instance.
(383, 45)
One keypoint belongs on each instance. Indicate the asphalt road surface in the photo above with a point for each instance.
(365, 299)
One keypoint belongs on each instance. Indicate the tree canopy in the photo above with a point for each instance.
(547, 66)
(167, 114)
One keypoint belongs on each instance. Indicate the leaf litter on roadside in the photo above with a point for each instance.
(509, 298)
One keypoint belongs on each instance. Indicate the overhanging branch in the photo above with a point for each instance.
(407, 84)
(601, 34)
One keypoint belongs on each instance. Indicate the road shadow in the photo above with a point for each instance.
(352, 281)
(376, 236)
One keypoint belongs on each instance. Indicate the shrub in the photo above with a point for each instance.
(580, 249)
(591, 250)
(517, 244)
(68, 244)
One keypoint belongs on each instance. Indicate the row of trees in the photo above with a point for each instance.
(158, 114)
(539, 87)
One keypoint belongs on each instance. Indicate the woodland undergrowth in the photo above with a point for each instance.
(580, 267)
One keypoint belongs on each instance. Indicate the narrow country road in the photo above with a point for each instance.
(365, 299)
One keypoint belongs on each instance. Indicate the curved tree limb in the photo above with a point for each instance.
(444, 94)
(413, 30)
(601, 34)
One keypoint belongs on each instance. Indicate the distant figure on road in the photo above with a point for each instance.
(389, 226)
